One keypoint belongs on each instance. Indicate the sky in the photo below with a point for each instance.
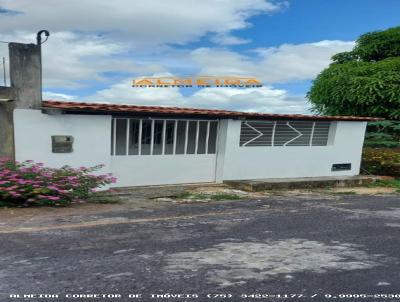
(97, 47)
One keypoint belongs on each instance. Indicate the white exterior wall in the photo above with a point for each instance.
(92, 146)
(344, 146)
(144, 170)
(92, 143)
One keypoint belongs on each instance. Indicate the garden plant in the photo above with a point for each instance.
(32, 184)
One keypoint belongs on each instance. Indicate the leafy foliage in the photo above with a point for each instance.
(29, 184)
(359, 88)
(381, 161)
(378, 45)
(364, 81)
(383, 134)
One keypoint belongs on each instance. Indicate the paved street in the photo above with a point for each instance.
(308, 247)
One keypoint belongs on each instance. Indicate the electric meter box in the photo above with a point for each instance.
(62, 143)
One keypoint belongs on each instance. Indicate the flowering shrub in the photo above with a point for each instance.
(381, 161)
(30, 183)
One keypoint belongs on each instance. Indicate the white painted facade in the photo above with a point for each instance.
(163, 169)
(344, 146)
(92, 146)
(33, 131)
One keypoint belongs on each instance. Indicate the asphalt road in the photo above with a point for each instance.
(253, 250)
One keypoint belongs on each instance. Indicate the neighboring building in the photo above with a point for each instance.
(144, 145)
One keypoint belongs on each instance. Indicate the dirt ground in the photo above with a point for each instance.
(169, 241)
(158, 198)
(315, 192)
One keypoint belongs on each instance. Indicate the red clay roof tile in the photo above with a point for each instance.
(159, 110)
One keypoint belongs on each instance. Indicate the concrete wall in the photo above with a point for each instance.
(6, 129)
(25, 90)
(163, 169)
(26, 75)
(221, 147)
(294, 161)
(92, 146)
(92, 143)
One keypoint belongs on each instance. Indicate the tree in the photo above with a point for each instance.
(383, 134)
(364, 81)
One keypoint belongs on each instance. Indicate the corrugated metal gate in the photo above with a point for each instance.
(153, 151)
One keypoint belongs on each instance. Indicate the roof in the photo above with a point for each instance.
(104, 108)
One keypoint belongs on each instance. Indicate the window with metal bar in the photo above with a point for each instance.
(158, 137)
(146, 137)
(284, 133)
(212, 139)
(135, 136)
(191, 138)
(181, 137)
(321, 134)
(201, 146)
(256, 133)
(120, 136)
(169, 137)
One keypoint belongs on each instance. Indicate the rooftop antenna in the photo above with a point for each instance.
(39, 36)
(4, 71)
(39, 42)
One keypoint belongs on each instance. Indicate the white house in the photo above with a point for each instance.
(159, 145)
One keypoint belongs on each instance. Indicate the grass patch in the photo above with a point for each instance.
(393, 183)
(103, 198)
(184, 195)
(225, 196)
(204, 196)
(345, 193)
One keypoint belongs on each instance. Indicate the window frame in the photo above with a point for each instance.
(273, 136)
(175, 132)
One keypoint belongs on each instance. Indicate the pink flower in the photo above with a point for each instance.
(53, 198)
(22, 181)
(14, 194)
(11, 188)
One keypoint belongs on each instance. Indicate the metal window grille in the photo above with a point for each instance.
(134, 136)
(284, 133)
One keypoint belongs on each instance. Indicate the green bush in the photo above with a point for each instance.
(381, 161)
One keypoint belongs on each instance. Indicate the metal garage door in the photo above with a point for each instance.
(153, 151)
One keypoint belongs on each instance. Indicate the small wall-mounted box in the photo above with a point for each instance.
(341, 167)
(62, 143)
